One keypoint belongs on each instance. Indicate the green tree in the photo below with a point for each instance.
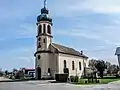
(100, 66)
(113, 69)
(92, 63)
(6, 72)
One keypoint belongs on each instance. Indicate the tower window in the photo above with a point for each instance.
(38, 56)
(48, 70)
(44, 28)
(79, 65)
(73, 66)
(39, 45)
(48, 29)
(44, 40)
(39, 29)
(39, 39)
(65, 66)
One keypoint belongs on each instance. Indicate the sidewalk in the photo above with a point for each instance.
(4, 79)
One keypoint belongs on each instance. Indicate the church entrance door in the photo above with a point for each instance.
(38, 73)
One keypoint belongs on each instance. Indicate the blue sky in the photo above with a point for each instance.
(89, 25)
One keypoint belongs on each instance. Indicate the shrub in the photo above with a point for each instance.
(98, 81)
(1, 73)
(85, 82)
(61, 77)
(74, 78)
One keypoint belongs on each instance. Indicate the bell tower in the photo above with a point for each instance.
(44, 39)
(44, 29)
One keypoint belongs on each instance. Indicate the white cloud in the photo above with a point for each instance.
(18, 58)
(23, 31)
(19, 9)
(102, 6)
(107, 35)
(116, 21)
(28, 31)
(74, 7)
(25, 59)
(22, 9)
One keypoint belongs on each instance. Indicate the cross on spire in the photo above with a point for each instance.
(44, 3)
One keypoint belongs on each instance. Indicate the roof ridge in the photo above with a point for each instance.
(64, 46)
(55, 46)
(67, 50)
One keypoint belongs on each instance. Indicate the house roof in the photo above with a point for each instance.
(67, 50)
(117, 51)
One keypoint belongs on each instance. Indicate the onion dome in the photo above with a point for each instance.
(44, 15)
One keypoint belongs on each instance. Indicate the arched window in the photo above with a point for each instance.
(79, 65)
(44, 40)
(48, 29)
(38, 56)
(73, 66)
(44, 28)
(48, 70)
(65, 66)
(39, 39)
(39, 45)
(39, 29)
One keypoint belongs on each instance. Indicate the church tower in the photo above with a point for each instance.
(44, 29)
(44, 39)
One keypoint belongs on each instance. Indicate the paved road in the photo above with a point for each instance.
(44, 85)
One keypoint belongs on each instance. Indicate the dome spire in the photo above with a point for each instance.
(44, 3)
(44, 14)
(44, 10)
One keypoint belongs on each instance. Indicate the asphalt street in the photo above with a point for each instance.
(44, 85)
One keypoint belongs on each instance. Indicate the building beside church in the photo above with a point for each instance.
(117, 53)
(52, 58)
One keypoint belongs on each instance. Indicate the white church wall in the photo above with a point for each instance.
(53, 63)
(47, 60)
(43, 63)
(69, 59)
(44, 46)
(118, 60)
(86, 61)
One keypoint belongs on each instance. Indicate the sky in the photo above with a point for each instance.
(89, 25)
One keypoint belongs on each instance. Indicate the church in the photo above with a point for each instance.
(52, 58)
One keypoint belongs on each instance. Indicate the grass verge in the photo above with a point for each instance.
(101, 81)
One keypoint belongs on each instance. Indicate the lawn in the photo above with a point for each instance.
(106, 81)
(101, 81)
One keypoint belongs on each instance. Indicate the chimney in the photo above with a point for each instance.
(81, 52)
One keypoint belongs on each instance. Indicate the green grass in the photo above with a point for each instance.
(106, 81)
(101, 81)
